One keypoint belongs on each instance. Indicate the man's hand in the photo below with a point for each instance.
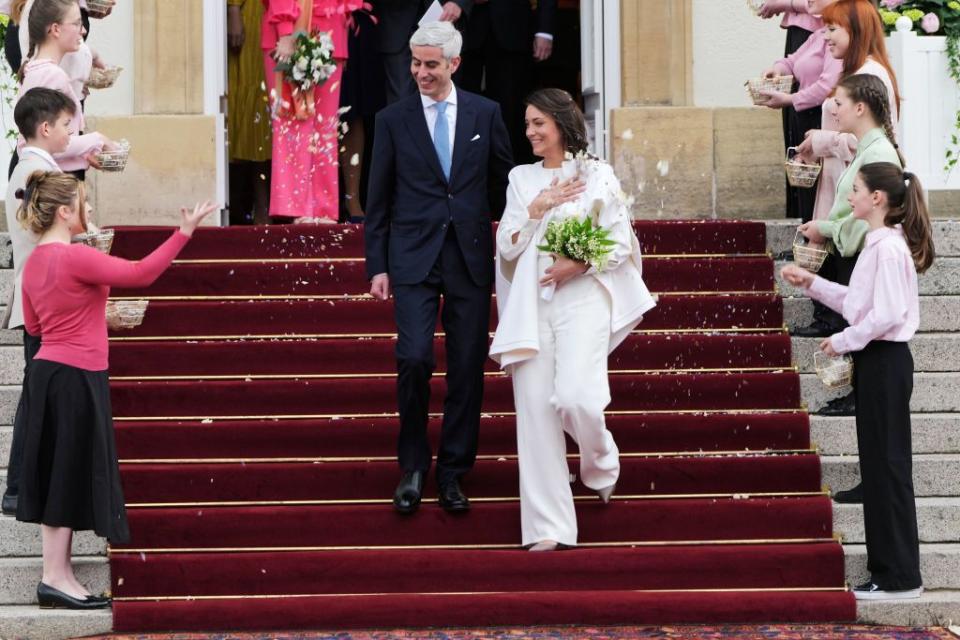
(542, 48)
(380, 286)
(451, 12)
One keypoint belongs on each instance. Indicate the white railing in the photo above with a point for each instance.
(930, 104)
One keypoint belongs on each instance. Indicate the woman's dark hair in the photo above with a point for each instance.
(39, 105)
(907, 207)
(870, 90)
(43, 15)
(559, 105)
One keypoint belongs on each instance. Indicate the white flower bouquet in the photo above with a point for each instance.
(578, 239)
(312, 63)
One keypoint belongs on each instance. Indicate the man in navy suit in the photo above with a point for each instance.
(438, 177)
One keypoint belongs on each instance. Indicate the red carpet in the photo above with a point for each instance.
(255, 422)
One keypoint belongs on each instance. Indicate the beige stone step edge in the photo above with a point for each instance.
(938, 521)
(934, 474)
(936, 608)
(932, 433)
(19, 577)
(937, 313)
(939, 565)
(946, 236)
(933, 392)
(29, 621)
(943, 279)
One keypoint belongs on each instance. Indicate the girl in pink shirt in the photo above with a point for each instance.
(56, 28)
(70, 479)
(882, 306)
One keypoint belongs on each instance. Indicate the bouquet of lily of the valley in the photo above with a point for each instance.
(578, 239)
(312, 64)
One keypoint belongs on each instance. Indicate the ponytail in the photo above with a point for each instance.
(870, 90)
(907, 208)
(45, 192)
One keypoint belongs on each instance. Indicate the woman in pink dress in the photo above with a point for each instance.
(304, 180)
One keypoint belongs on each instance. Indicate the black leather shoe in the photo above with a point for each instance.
(406, 499)
(845, 406)
(452, 498)
(850, 496)
(817, 329)
(50, 598)
(9, 505)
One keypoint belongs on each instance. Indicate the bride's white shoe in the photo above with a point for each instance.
(544, 545)
(607, 492)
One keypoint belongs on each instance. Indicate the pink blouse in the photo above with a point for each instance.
(815, 69)
(46, 73)
(65, 289)
(801, 19)
(882, 301)
(280, 16)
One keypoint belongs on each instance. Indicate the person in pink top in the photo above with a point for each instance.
(70, 478)
(815, 73)
(304, 181)
(56, 29)
(882, 305)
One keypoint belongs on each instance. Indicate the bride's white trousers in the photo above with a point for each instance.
(564, 389)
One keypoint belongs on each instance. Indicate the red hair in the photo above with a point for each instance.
(861, 20)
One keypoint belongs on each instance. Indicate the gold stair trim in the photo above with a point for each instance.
(440, 334)
(367, 296)
(430, 547)
(288, 596)
(368, 376)
(745, 453)
(394, 414)
(489, 500)
(321, 260)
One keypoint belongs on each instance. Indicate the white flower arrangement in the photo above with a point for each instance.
(312, 63)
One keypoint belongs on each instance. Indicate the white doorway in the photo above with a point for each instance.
(600, 68)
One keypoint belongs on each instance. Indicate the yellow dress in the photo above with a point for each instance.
(248, 118)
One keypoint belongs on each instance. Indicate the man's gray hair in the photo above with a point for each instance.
(439, 34)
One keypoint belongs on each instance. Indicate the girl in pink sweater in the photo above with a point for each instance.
(70, 478)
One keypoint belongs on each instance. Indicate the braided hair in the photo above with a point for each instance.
(45, 192)
(870, 90)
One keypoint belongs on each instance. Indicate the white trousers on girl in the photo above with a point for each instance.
(564, 389)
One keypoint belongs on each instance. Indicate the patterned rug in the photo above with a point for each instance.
(768, 632)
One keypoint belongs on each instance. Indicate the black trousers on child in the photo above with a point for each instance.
(836, 268)
(795, 125)
(883, 383)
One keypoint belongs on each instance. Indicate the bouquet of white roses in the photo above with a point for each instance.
(580, 240)
(312, 62)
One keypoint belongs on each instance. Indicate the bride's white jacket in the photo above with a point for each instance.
(517, 276)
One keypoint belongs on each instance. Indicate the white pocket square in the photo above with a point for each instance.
(474, 138)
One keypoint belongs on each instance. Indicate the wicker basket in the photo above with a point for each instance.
(101, 240)
(833, 372)
(115, 160)
(800, 174)
(808, 256)
(103, 78)
(783, 84)
(126, 314)
(100, 8)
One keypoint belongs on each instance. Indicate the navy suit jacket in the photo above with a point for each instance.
(411, 205)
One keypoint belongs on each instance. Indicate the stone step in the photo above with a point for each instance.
(946, 236)
(21, 540)
(19, 577)
(931, 352)
(937, 313)
(938, 521)
(939, 565)
(935, 392)
(9, 397)
(30, 621)
(943, 279)
(936, 608)
(934, 474)
(932, 433)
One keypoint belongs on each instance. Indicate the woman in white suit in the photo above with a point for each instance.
(559, 319)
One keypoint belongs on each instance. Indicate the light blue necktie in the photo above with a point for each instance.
(441, 138)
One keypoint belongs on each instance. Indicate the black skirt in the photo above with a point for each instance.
(70, 476)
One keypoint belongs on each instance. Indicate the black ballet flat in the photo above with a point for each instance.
(50, 598)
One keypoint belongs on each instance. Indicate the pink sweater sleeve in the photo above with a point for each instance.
(75, 155)
(93, 267)
(282, 14)
(833, 144)
(814, 94)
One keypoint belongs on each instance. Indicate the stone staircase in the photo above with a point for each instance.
(936, 439)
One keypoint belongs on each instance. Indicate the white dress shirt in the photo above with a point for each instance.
(430, 112)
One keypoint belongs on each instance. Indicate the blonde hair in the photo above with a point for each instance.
(44, 193)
